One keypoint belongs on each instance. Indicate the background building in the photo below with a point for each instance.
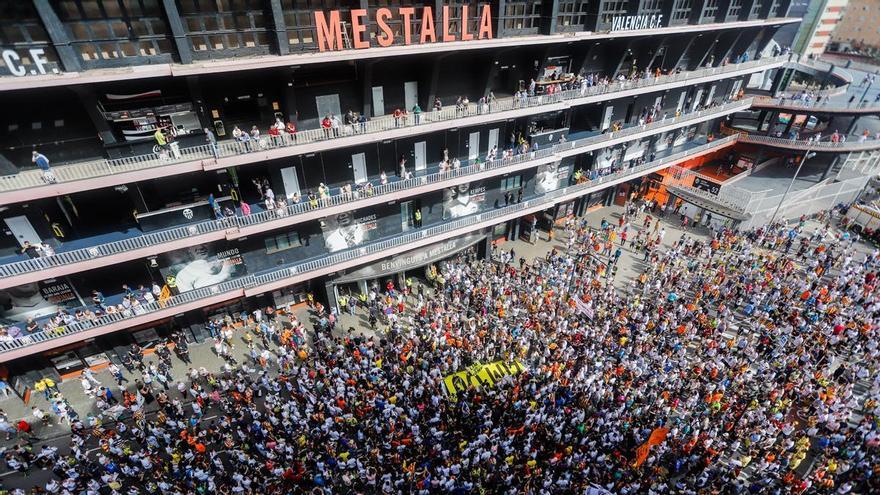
(819, 21)
(859, 28)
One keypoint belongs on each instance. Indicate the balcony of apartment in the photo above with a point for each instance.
(82, 176)
(20, 344)
(88, 253)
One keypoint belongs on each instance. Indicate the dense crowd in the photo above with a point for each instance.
(734, 364)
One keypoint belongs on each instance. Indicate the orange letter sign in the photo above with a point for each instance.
(407, 13)
(446, 35)
(428, 26)
(357, 28)
(387, 36)
(329, 37)
(485, 24)
(465, 35)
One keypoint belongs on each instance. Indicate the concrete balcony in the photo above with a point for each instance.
(259, 283)
(826, 106)
(83, 176)
(852, 144)
(104, 254)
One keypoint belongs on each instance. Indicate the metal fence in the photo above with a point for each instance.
(382, 247)
(805, 145)
(299, 209)
(825, 104)
(99, 168)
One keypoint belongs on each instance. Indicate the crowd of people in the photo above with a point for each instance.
(729, 364)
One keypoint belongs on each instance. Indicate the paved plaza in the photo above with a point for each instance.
(628, 268)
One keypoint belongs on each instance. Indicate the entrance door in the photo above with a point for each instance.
(406, 218)
(359, 166)
(327, 104)
(23, 230)
(474, 146)
(290, 181)
(493, 139)
(420, 150)
(378, 101)
(410, 94)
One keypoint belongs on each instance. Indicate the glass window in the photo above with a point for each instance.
(510, 183)
(572, 14)
(609, 9)
(710, 9)
(282, 242)
(735, 8)
(681, 9)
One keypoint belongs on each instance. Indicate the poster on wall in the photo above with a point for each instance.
(36, 299)
(551, 177)
(463, 200)
(202, 266)
(346, 231)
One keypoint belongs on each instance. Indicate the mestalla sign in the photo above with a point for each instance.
(330, 25)
(636, 22)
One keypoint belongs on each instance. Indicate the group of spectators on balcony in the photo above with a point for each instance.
(727, 364)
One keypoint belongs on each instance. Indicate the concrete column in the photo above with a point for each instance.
(727, 53)
(549, 16)
(830, 167)
(70, 60)
(778, 78)
(368, 88)
(195, 94)
(289, 98)
(723, 7)
(434, 82)
(678, 57)
(697, 11)
(499, 23)
(184, 50)
(280, 27)
(491, 72)
(709, 52)
(86, 96)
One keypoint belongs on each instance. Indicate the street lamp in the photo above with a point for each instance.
(806, 157)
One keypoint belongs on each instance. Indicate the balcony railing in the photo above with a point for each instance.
(356, 199)
(101, 168)
(234, 288)
(852, 144)
(825, 105)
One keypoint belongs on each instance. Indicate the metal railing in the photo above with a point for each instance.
(852, 143)
(825, 104)
(99, 168)
(389, 246)
(165, 236)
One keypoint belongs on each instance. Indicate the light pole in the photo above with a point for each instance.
(806, 157)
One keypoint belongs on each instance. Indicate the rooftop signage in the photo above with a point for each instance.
(330, 27)
(636, 22)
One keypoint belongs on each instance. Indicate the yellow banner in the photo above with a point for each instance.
(164, 295)
(481, 375)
